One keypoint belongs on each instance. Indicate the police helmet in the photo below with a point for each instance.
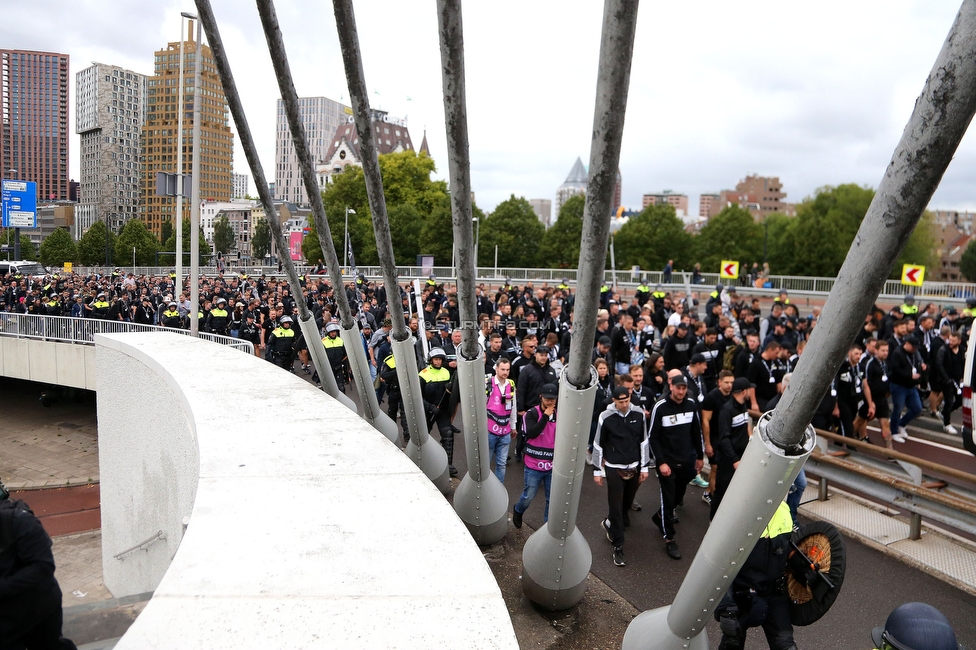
(221, 301)
(909, 298)
(719, 287)
(971, 301)
(54, 295)
(172, 304)
(916, 625)
(286, 319)
(331, 327)
(437, 353)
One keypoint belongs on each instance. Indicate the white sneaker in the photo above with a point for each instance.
(589, 458)
(951, 430)
(900, 437)
(902, 431)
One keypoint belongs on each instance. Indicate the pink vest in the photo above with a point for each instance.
(539, 450)
(500, 408)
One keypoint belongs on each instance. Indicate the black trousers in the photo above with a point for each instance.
(673, 489)
(620, 496)
(40, 629)
(394, 406)
(848, 409)
(951, 400)
(723, 477)
(776, 624)
(446, 431)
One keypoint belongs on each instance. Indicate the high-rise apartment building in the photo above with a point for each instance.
(109, 112)
(677, 201)
(766, 191)
(159, 134)
(574, 184)
(34, 130)
(321, 117)
(240, 186)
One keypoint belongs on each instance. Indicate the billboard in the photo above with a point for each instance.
(18, 203)
(295, 245)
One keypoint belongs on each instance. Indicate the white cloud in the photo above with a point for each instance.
(817, 93)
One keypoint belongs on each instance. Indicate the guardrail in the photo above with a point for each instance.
(893, 290)
(64, 329)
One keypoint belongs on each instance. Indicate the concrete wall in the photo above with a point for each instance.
(307, 529)
(65, 364)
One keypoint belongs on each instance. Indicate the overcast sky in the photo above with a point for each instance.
(815, 93)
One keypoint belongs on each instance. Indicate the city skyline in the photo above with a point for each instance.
(774, 91)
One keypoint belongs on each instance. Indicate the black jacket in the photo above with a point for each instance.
(621, 440)
(733, 432)
(531, 379)
(675, 431)
(900, 365)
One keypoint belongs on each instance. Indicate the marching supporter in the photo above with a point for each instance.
(696, 380)
(676, 443)
(604, 388)
(621, 457)
(762, 373)
(623, 340)
(711, 407)
(734, 431)
(951, 366)
(849, 391)
(876, 387)
(677, 350)
(655, 375)
(532, 377)
(904, 380)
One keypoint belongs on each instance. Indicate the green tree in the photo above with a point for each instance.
(28, 251)
(166, 230)
(516, 230)
(170, 245)
(920, 247)
(311, 248)
(436, 236)
(651, 238)
(730, 235)
(967, 263)
(136, 235)
(58, 248)
(560, 246)
(224, 238)
(91, 247)
(775, 226)
(406, 224)
(261, 243)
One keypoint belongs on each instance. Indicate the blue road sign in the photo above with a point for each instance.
(18, 200)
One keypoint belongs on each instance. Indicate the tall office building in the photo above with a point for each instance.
(240, 186)
(322, 117)
(159, 132)
(574, 184)
(34, 132)
(109, 113)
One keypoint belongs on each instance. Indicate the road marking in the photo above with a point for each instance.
(929, 442)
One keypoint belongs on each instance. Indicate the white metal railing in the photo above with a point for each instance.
(893, 289)
(64, 329)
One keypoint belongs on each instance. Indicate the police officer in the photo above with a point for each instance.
(335, 349)
(915, 626)
(435, 386)
(281, 344)
(100, 307)
(30, 598)
(218, 318)
(909, 308)
(171, 317)
(758, 593)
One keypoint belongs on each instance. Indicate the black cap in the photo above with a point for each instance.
(783, 320)
(679, 380)
(911, 340)
(604, 340)
(742, 384)
(549, 391)
(543, 349)
(698, 357)
(621, 392)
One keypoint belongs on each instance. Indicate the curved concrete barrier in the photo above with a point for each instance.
(305, 527)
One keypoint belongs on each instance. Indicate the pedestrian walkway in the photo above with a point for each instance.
(938, 553)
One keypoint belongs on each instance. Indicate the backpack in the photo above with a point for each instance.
(728, 358)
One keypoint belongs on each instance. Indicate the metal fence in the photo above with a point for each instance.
(894, 290)
(63, 329)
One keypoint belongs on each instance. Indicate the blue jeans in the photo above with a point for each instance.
(901, 397)
(795, 494)
(498, 449)
(534, 478)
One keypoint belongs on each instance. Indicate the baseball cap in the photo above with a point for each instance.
(604, 340)
(742, 384)
(698, 357)
(549, 391)
(621, 392)
(679, 380)
(544, 349)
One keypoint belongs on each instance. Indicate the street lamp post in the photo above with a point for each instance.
(345, 236)
(178, 217)
(195, 185)
(477, 241)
